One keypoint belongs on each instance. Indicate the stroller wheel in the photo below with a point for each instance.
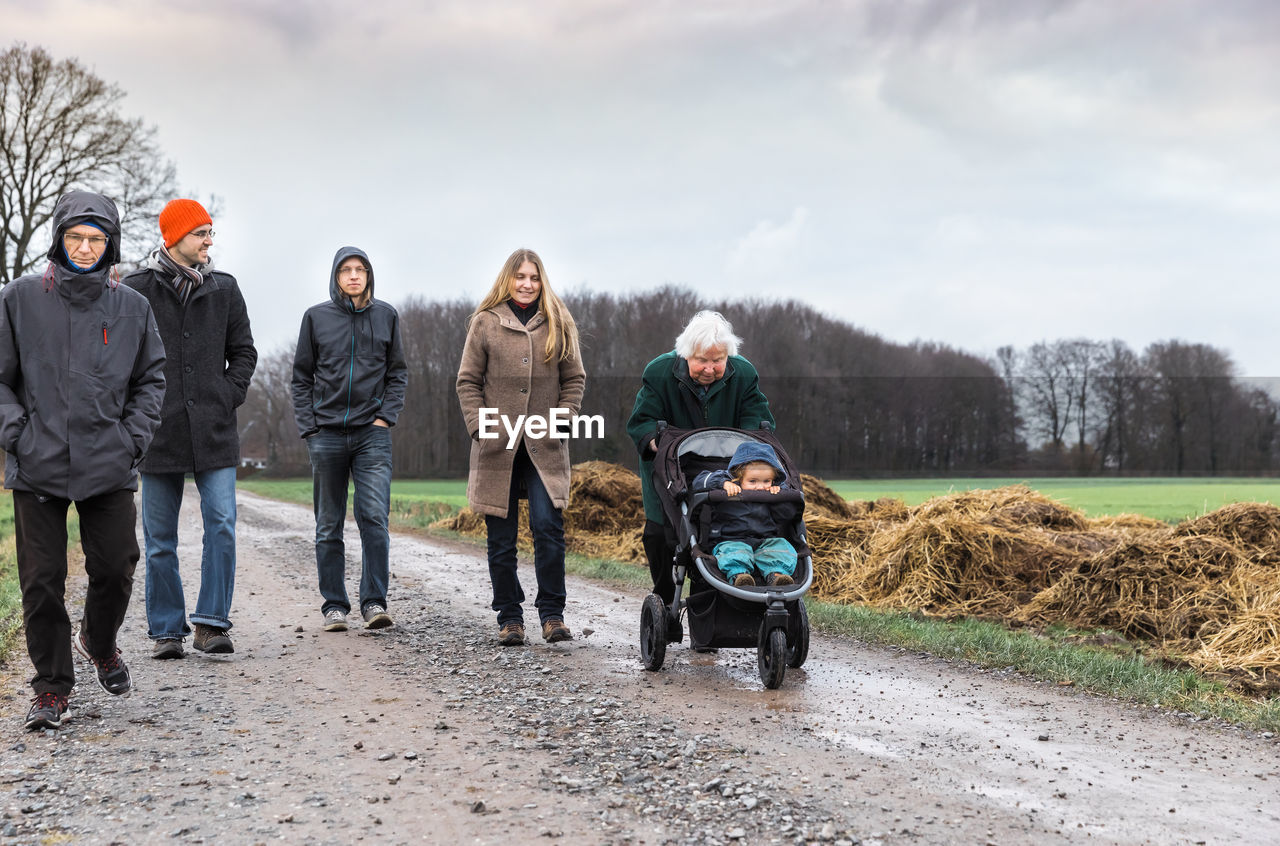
(771, 656)
(653, 632)
(799, 649)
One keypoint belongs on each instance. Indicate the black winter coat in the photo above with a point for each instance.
(210, 360)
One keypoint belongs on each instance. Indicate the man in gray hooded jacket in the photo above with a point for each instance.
(81, 384)
(349, 377)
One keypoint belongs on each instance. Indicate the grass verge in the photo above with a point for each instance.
(1097, 670)
(10, 592)
(10, 589)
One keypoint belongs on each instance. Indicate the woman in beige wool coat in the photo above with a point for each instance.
(521, 358)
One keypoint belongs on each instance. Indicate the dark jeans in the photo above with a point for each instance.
(660, 548)
(107, 536)
(546, 523)
(361, 455)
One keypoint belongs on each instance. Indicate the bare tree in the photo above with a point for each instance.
(1119, 390)
(267, 429)
(1049, 391)
(60, 130)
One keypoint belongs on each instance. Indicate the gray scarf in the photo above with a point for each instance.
(183, 279)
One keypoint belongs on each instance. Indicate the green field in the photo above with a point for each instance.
(449, 491)
(1171, 500)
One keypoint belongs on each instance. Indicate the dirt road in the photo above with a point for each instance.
(429, 733)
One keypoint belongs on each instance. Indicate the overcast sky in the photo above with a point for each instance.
(973, 173)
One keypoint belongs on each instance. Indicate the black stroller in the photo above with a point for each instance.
(770, 618)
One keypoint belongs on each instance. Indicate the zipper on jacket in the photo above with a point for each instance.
(104, 333)
(351, 374)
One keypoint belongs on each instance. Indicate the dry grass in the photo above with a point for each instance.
(1205, 593)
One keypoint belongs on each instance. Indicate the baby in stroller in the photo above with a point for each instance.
(747, 546)
(735, 521)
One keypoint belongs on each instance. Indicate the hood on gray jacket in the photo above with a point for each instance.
(77, 207)
(335, 291)
(750, 451)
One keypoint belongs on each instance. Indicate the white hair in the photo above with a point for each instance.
(707, 330)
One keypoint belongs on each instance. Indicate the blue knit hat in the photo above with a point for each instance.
(750, 451)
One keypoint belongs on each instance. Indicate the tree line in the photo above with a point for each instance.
(848, 403)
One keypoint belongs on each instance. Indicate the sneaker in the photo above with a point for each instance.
(512, 634)
(48, 710)
(113, 675)
(554, 631)
(375, 616)
(212, 640)
(744, 580)
(169, 647)
(335, 620)
(779, 579)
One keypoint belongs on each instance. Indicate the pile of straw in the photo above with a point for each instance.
(1161, 588)
(1247, 649)
(1206, 592)
(604, 518)
(604, 499)
(1253, 528)
(980, 553)
(820, 499)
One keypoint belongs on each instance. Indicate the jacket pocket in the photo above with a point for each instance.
(22, 444)
(20, 426)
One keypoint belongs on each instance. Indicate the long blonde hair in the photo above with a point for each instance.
(562, 332)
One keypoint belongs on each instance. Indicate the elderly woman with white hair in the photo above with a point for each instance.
(702, 382)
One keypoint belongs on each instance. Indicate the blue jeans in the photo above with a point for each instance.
(363, 456)
(161, 502)
(546, 523)
(773, 555)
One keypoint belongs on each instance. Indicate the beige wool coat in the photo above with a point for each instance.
(504, 367)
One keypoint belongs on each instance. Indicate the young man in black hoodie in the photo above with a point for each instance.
(81, 383)
(349, 377)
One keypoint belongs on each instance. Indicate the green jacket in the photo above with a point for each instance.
(667, 392)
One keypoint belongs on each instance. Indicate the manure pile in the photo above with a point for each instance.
(604, 519)
(1206, 591)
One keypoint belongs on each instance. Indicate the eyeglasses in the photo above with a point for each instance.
(201, 234)
(354, 271)
(73, 241)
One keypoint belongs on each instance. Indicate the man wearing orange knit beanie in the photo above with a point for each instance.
(210, 358)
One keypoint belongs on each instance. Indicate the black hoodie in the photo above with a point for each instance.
(81, 369)
(349, 367)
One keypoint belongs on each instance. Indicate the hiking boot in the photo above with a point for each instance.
(511, 634)
(48, 710)
(744, 580)
(169, 647)
(335, 620)
(375, 616)
(554, 631)
(113, 675)
(779, 579)
(212, 640)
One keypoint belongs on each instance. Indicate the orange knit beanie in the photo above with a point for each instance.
(179, 218)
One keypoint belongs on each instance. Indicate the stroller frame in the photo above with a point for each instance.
(721, 614)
